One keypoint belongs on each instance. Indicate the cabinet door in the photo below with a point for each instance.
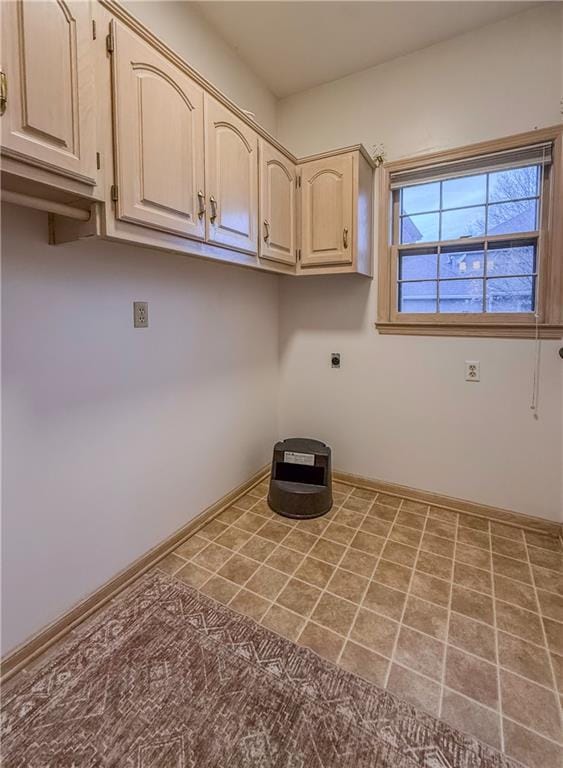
(158, 113)
(49, 66)
(277, 205)
(327, 210)
(231, 176)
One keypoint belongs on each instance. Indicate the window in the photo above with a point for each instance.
(469, 240)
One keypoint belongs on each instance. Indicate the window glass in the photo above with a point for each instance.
(420, 198)
(418, 296)
(514, 184)
(423, 227)
(519, 260)
(461, 296)
(467, 190)
(510, 294)
(462, 263)
(416, 266)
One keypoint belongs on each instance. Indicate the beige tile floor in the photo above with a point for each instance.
(461, 615)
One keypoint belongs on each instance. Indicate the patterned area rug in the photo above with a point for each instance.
(168, 677)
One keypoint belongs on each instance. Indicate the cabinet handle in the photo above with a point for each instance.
(266, 230)
(213, 209)
(3, 92)
(201, 198)
(345, 237)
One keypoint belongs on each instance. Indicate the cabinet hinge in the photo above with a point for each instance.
(109, 41)
(98, 161)
(298, 254)
(299, 182)
(94, 29)
(114, 192)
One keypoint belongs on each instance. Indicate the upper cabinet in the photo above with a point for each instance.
(278, 209)
(336, 213)
(231, 178)
(102, 116)
(48, 65)
(158, 132)
(327, 211)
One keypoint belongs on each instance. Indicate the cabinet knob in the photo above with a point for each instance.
(3, 92)
(213, 209)
(345, 238)
(266, 230)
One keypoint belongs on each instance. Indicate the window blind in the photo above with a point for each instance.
(535, 154)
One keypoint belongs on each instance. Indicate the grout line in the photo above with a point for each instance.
(335, 566)
(400, 622)
(550, 660)
(497, 654)
(369, 582)
(448, 618)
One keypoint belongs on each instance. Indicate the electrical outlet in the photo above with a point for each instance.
(335, 359)
(472, 370)
(140, 314)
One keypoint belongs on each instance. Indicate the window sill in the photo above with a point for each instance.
(492, 330)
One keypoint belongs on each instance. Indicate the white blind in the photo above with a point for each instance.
(535, 154)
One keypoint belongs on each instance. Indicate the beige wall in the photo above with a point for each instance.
(399, 409)
(115, 437)
(183, 28)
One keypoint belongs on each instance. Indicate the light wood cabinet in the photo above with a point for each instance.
(231, 178)
(159, 162)
(336, 213)
(48, 63)
(327, 211)
(277, 205)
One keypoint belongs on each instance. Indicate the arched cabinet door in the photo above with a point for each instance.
(231, 175)
(158, 113)
(327, 212)
(49, 67)
(277, 205)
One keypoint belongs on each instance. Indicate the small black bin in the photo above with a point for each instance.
(301, 478)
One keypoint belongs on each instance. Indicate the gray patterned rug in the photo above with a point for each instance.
(168, 677)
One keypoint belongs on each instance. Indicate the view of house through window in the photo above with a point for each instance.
(469, 243)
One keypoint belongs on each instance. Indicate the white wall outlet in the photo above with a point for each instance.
(140, 314)
(472, 370)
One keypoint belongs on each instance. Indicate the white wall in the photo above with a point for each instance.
(399, 409)
(115, 437)
(182, 26)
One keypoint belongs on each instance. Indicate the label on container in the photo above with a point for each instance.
(291, 457)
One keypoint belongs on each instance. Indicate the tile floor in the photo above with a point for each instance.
(459, 614)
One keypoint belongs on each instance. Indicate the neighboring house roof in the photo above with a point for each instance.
(518, 223)
(411, 233)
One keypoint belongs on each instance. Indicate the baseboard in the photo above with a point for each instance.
(25, 653)
(505, 516)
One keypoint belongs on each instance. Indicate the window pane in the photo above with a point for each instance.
(513, 184)
(468, 190)
(417, 297)
(464, 222)
(505, 218)
(510, 294)
(420, 228)
(511, 261)
(462, 263)
(420, 198)
(461, 296)
(417, 266)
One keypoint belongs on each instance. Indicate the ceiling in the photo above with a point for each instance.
(293, 46)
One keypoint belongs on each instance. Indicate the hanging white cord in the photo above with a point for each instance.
(534, 405)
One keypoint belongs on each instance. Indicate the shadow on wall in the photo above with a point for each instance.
(329, 303)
